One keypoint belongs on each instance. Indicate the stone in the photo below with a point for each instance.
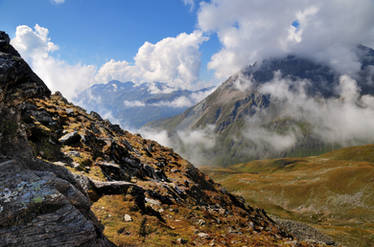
(113, 188)
(69, 111)
(70, 138)
(114, 172)
(182, 241)
(127, 218)
(202, 235)
(65, 220)
(174, 170)
(4, 38)
(152, 201)
(201, 222)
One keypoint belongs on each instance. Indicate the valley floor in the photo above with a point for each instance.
(333, 193)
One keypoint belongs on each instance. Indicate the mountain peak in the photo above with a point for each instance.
(5, 46)
(17, 80)
(4, 37)
(81, 173)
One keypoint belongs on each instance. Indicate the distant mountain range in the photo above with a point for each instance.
(133, 105)
(288, 106)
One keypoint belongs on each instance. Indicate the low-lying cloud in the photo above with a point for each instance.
(344, 120)
(292, 118)
(193, 145)
(179, 102)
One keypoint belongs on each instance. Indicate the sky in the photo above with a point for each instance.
(72, 44)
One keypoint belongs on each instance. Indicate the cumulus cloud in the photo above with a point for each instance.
(174, 60)
(253, 30)
(35, 47)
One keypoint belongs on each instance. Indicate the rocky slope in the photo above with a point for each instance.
(70, 178)
(267, 103)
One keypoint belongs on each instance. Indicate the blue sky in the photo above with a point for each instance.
(92, 32)
(75, 43)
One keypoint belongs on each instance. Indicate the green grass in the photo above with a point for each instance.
(333, 192)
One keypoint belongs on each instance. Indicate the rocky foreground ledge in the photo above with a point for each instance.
(70, 178)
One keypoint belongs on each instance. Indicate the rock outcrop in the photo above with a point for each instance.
(70, 178)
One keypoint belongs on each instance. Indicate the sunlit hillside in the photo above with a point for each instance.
(333, 192)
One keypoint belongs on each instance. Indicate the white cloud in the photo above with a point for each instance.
(113, 70)
(185, 101)
(179, 102)
(58, 1)
(162, 88)
(333, 120)
(192, 144)
(190, 3)
(133, 103)
(160, 136)
(35, 47)
(31, 43)
(173, 60)
(252, 30)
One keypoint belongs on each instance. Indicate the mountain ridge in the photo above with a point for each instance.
(258, 96)
(70, 178)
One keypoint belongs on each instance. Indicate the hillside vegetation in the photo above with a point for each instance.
(71, 178)
(333, 192)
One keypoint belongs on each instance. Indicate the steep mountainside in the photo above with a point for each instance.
(267, 103)
(333, 192)
(135, 105)
(70, 178)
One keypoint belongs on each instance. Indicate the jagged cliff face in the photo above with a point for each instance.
(70, 178)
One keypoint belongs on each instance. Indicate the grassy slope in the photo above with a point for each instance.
(334, 192)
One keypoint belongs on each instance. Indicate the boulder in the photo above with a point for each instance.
(127, 218)
(40, 209)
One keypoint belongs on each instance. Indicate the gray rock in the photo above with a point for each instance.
(69, 111)
(113, 188)
(40, 209)
(201, 222)
(303, 232)
(70, 138)
(4, 38)
(202, 235)
(127, 218)
(114, 172)
(182, 241)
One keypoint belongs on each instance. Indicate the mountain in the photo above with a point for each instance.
(133, 105)
(333, 192)
(70, 178)
(288, 106)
